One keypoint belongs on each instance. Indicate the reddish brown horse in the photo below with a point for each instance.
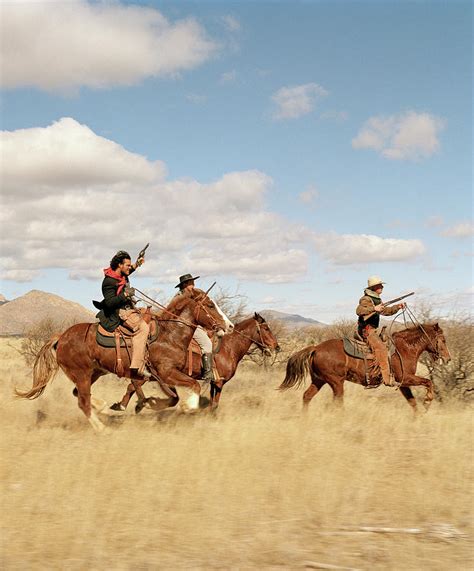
(77, 353)
(328, 363)
(234, 346)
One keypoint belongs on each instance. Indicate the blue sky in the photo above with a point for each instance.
(286, 149)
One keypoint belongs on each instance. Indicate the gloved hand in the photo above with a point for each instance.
(129, 291)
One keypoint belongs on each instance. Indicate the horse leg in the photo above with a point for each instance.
(338, 392)
(216, 390)
(122, 405)
(415, 380)
(312, 390)
(83, 384)
(406, 392)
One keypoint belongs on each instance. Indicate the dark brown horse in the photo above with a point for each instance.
(328, 363)
(77, 353)
(234, 346)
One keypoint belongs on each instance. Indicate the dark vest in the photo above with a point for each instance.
(374, 320)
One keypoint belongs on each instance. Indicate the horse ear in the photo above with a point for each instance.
(436, 326)
(259, 318)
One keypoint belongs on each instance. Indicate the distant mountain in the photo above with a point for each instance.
(18, 315)
(291, 320)
(3, 299)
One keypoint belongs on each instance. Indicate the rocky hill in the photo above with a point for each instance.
(291, 320)
(20, 314)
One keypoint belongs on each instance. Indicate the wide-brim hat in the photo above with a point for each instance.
(374, 280)
(186, 278)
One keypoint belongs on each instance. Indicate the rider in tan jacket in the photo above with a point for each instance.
(369, 310)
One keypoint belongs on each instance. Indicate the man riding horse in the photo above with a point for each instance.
(369, 310)
(118, 308)
(201, 337)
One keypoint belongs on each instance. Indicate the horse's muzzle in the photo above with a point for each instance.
(220, 333)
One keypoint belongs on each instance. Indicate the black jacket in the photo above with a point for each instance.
(110, 305)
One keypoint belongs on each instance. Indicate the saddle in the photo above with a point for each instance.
(121, 338)
(358, 349)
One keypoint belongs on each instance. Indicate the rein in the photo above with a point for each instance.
(260, 344)
(179, 319)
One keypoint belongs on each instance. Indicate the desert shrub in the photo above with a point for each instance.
(455, 380)
(37, 335)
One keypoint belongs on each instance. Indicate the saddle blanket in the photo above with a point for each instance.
(106, 339)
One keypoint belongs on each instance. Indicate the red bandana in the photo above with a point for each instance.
(110, 273)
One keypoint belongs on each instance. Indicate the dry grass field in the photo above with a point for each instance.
(258, 486)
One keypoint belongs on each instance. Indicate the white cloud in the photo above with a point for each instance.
(460, 230)
(349, 249)
(84, 196)
(231, 23)
(228, 77)
(66, 45)
(296, 101)
(408, 136)
(309, 195)
(68, 154)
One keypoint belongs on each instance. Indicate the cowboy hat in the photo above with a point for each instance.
(374, 280)
(186, 278)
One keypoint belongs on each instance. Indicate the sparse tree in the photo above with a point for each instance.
(37, 335)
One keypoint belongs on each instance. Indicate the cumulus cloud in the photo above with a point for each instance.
(296, 101)
(459, 230)
(79, 197)
(77, 43)
(68, 155)
(408, 136)
(349, 249)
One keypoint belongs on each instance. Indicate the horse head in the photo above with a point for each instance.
(204, 311)
(264, 336)
(436, 346)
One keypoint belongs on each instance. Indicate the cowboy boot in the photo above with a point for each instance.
(207, 373)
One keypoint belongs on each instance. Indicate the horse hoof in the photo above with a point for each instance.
(140, 406)
(118, 407)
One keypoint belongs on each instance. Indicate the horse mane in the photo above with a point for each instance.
(413, 331)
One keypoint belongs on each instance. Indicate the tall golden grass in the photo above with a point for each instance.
(258, 486)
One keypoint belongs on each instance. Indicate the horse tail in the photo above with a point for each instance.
(298, 366)
(45, 368)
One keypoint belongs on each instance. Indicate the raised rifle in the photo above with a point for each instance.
(387, 303)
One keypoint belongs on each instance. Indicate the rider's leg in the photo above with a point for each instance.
(139, 340)
(379, 349)
(205, 344)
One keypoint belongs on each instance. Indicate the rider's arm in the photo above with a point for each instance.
(109, 291)
(390, 310)
(365, 307)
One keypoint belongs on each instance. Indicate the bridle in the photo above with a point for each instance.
(261, 343)
(434, 345)
(200, 306)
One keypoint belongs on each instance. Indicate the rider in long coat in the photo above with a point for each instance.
(370, 304)
(118, 308)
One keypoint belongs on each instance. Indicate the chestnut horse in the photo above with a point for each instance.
(328, 363)
(233, 348)
(77, 353)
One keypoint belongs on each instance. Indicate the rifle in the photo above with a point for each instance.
(141, 254)
(387, 303)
